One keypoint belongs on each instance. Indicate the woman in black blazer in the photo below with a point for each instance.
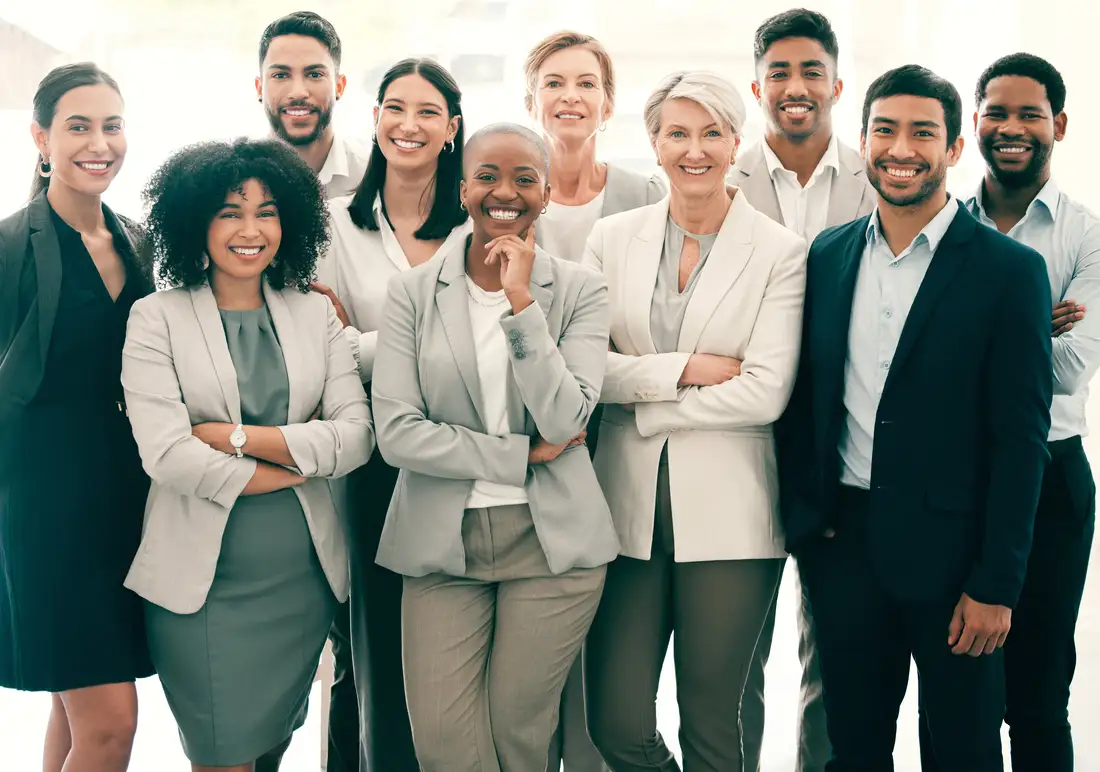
(72, 490)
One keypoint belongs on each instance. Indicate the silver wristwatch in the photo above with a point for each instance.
(237, 439)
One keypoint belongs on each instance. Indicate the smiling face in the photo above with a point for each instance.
(797, 88)
(694, 149)
(85, 143)
(906, 149)
(569, 99)
(245, 234)
(299, 85)
(412, 124)
(1017, 129)
(505, 186)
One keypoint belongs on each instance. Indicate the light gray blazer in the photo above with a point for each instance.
(624, 190)
(177, 372)
(850, 198)
(427, 404)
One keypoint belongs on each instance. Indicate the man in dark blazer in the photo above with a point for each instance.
(913, 448)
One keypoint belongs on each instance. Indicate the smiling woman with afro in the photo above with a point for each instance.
(186, 193)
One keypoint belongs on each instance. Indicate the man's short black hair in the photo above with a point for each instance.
(914, 80)
(795, 23)
(1026, 66)
(305, 23)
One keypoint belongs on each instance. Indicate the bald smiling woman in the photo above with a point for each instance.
(490, 361)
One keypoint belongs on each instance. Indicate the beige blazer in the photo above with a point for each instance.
(427, 404)
(851, 197)
(721, 454)
(177, 372)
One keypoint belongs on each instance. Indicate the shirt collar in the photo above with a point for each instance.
(1050, 195)
(933, 232)
(831, 159)
(336, 164)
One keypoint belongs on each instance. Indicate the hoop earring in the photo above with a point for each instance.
(462, 205)
(603, 126)
(205, 261)
(543, 210)
(450, 145)
(45, 168)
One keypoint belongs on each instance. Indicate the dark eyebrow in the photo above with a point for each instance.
(778, 65)
(813, 63)
(494, 167)
(86, 119)
(585, 75)
(228, 205)
(526, 169)
(287, 67)
(423, 104)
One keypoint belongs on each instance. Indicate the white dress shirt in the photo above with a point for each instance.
(805, 209)
(358, 266)
(563, 230)
(885, 289)
(1067, 235)
(344, 167)
(491, 349)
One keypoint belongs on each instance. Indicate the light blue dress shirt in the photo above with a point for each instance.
(885, 288)
(1067, 235)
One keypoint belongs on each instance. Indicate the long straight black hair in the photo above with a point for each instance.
(57, 83)
(446, 212)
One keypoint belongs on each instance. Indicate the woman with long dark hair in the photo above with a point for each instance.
(72, 489)
(405, 210)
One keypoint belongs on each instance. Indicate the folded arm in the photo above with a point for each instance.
(407, 437)
(1076, 353)
(171, 455)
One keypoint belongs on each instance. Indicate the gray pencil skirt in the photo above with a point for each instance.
(237, 673)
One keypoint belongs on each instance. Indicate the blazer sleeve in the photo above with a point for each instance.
(407, 437)
(656, 189)
(560, 380)
(170, 454)
(759, 394)
(1019, 388)
(343, 439)
(629, 379)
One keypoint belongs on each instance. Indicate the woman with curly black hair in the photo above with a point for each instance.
(243, 394)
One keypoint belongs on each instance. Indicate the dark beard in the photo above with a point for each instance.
(1013, 179)
(930, 185)
(324, 118)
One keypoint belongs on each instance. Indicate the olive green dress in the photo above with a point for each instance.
(237, 673)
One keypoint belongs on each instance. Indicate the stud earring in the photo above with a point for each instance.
(45, 168)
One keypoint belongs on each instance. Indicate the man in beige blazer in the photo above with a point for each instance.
(804, 178)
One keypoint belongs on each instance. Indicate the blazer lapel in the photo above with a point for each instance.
(452, 300)
(849, 188)
(756, 183)
(47, 260)
(293, 356)
(728, 258)
(945, 263)
(643, 258)
(206, 312)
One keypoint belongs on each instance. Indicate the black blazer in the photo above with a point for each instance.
(30, 283)
(960, 443)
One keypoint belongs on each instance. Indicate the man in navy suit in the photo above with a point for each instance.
(913, 449)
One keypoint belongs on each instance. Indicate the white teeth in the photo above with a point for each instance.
(1013, 150)
(408, 144)
(570, 116)
(95, 167)
(695, 169)
(503, 214)
(800, 110)
(298, 112)
(249, 251)
(906, 173)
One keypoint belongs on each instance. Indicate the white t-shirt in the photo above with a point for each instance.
(563, 230)
(491, 347)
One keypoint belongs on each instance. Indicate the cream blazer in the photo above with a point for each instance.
(721, 452)
(177, 372)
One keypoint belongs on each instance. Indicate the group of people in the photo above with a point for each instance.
(500, 419)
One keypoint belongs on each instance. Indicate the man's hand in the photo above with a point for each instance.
(1066, 314)
(978, 628)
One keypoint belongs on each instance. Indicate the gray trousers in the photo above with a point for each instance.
(716, 610)
(571, 744)
(814, 749)
(486, 654)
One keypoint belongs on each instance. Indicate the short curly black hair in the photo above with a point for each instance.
(186, 193)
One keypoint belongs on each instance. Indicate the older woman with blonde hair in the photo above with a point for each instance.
(706, 309)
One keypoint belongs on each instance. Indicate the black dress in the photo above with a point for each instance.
(72, 498)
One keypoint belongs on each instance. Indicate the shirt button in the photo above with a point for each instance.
(885, 365)
(893, 263)
(888, 314)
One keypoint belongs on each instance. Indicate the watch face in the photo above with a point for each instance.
(237, 438)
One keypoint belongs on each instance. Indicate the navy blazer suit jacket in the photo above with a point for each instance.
(960, 441)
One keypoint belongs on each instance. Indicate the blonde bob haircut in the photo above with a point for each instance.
(560, 41)
(714, 93)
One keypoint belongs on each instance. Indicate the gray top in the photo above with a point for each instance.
(666, 314)
(262, 382)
